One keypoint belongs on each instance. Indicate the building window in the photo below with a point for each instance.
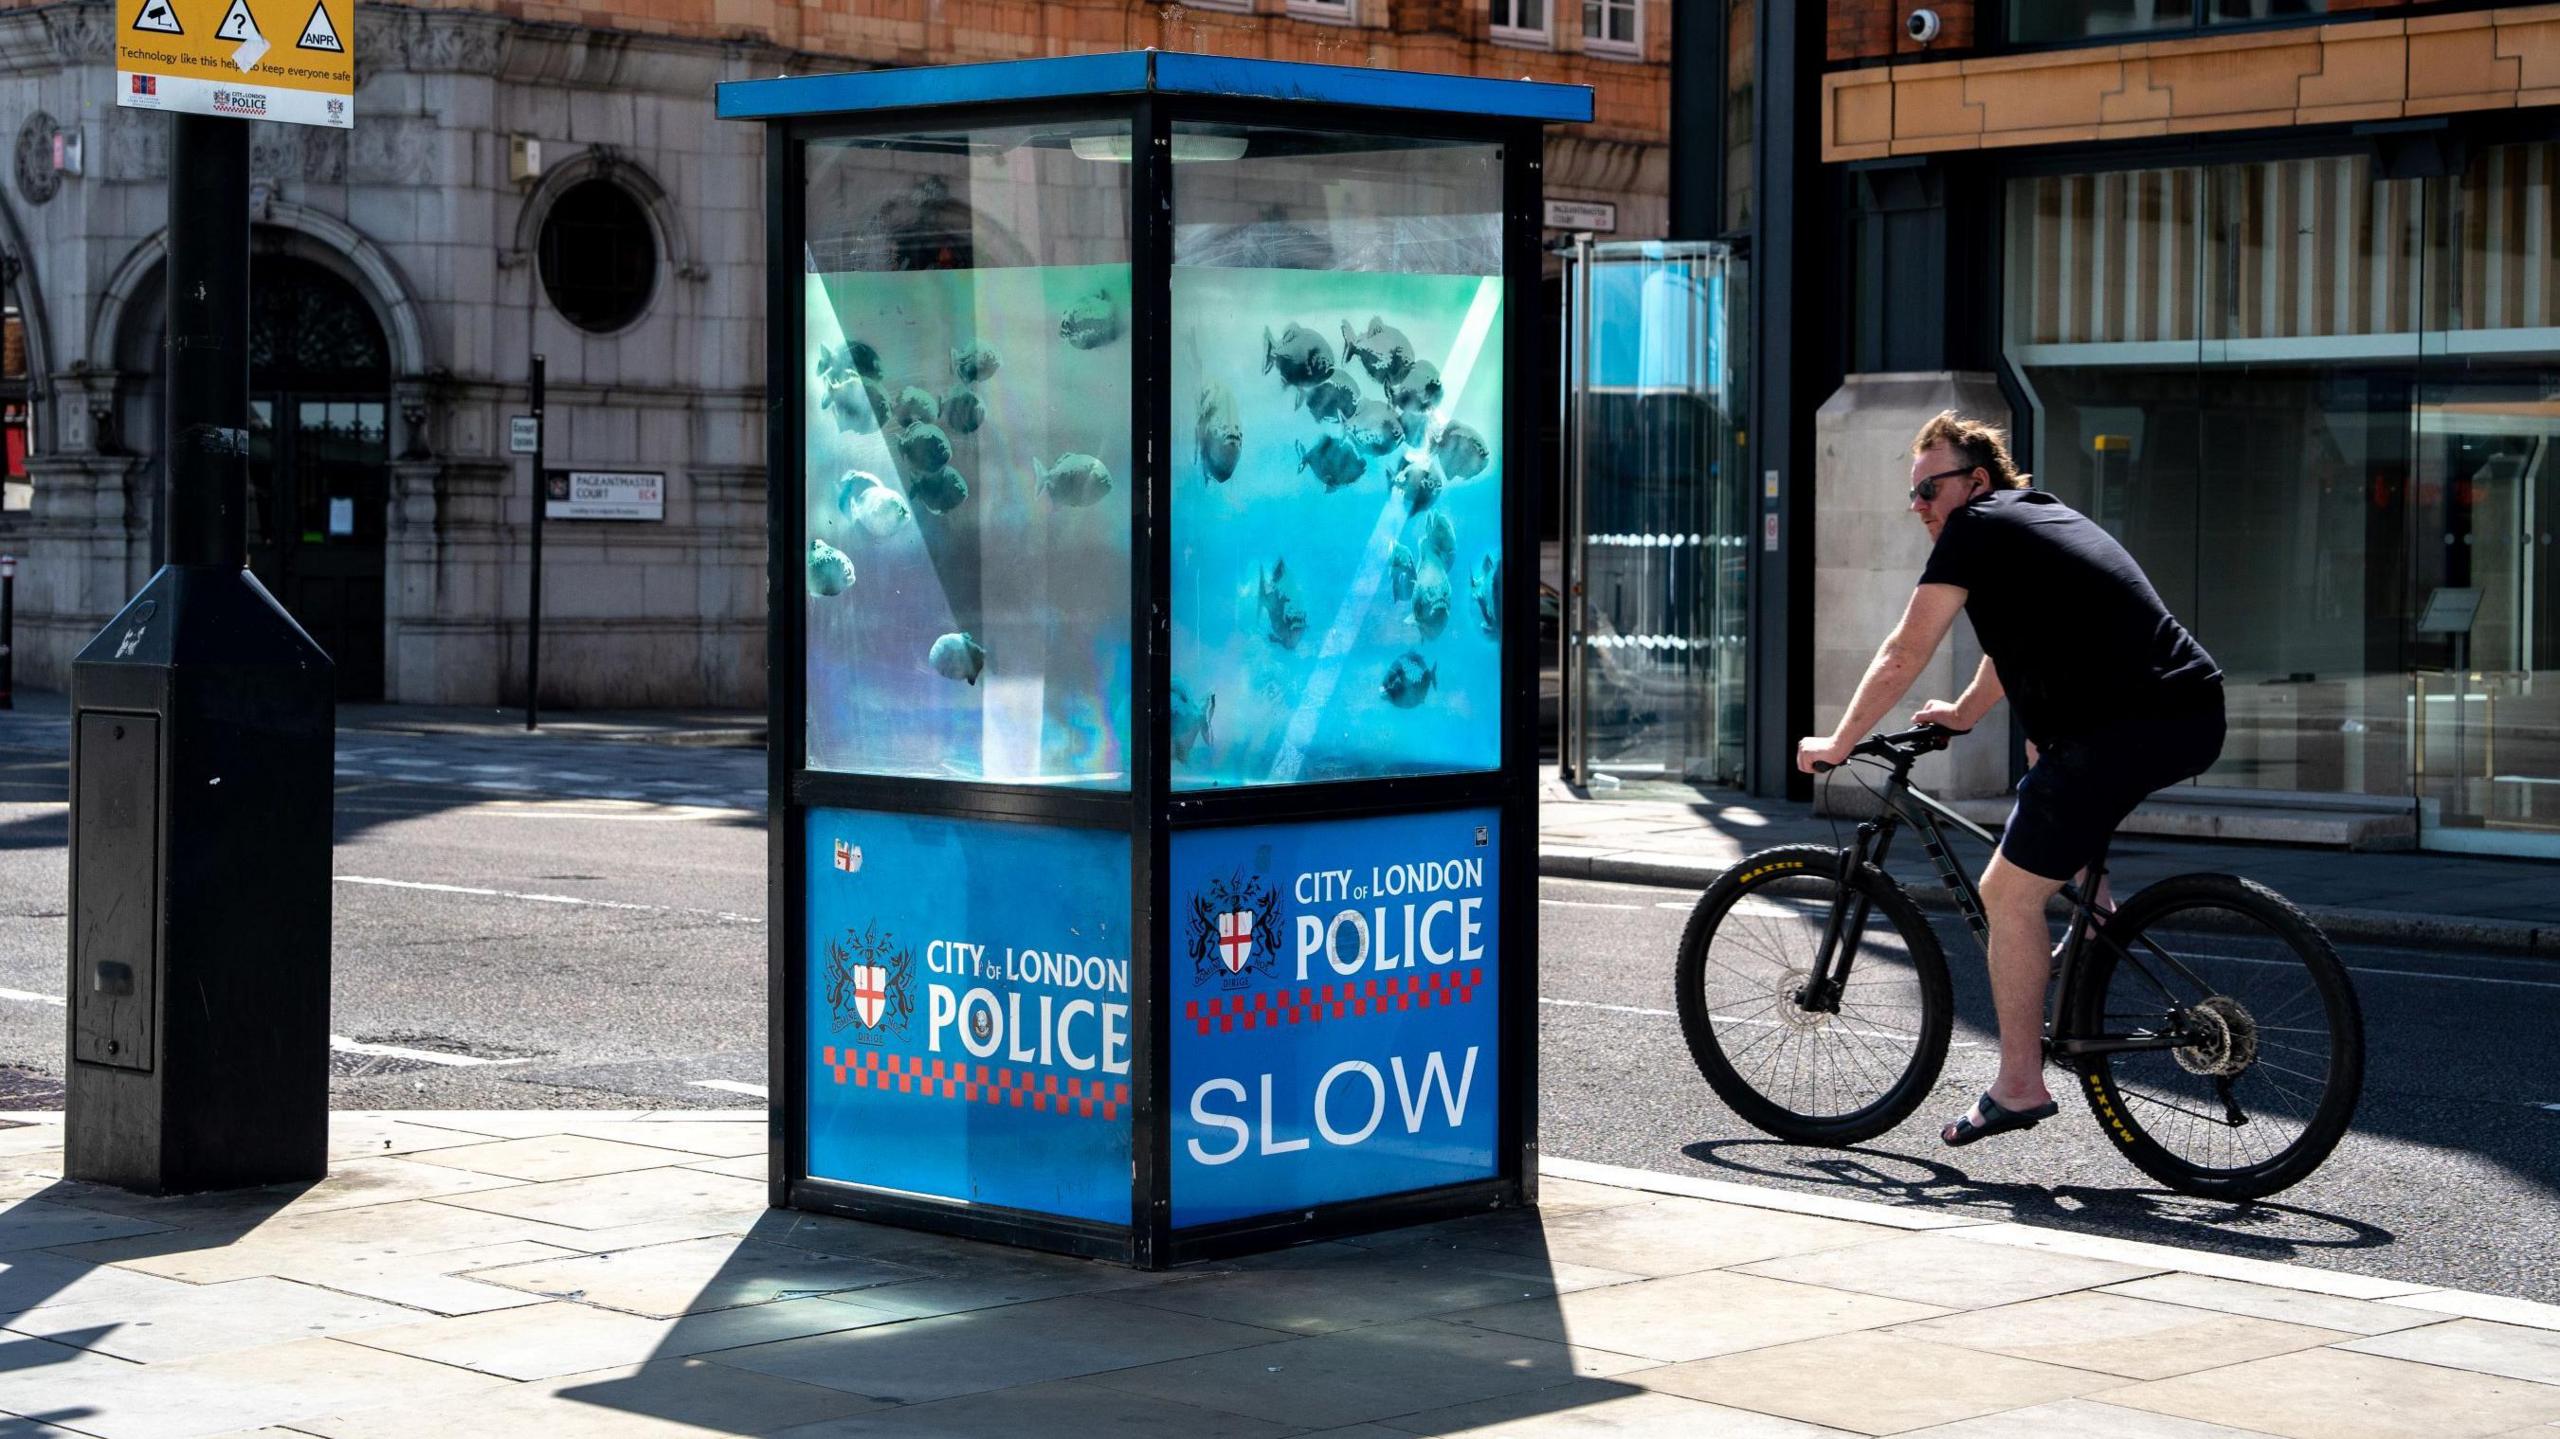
(1611, 27)
(2039, 22)
(1523, 21)
(599, 256)
(1330, 12)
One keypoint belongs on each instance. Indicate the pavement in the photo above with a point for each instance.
(574, 1273)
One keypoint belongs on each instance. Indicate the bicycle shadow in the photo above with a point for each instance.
(2258, 1229)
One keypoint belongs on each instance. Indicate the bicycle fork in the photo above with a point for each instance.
(1847, 926)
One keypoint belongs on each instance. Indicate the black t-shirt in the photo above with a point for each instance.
(2079, 637)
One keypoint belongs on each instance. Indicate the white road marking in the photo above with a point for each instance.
(1584, 904)
(732, 1086)
(1609, 1008)
(719, 914)
(338, 1042)
(28, 996)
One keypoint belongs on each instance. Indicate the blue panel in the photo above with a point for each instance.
(968, 1003)
(1126, 72)
(1336, 1011)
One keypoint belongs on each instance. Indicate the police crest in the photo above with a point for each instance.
(870, 985)
(1235, 930)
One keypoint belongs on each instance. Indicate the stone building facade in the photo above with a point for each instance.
(513, 166)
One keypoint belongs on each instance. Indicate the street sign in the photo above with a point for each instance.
(1597, 216)
(604, 495)
(524, 434)
(252, 59)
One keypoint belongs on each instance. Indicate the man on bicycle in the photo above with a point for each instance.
(2117, 700)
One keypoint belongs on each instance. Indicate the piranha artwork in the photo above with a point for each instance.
(830, 569)
(1409, 680)
(915, 405)
(1300, 355)
(940, 490)
(1400, 572)
(1419, 483)
(1383, 350)
(1375, 427)
(1439, 540)
(925, 448)
(1462, 453)
(1488, 591)
(975, 363)
(852, 358)
(1074, 481)
(1333, 399)
(1333, 462)
(1092, 322)
(957, 656)
(1190, 721)
(878, 510)
(1431, 604)
(1221, 434)
(858, 404)
(963, 412)
(1283, 618)
(1417, 395)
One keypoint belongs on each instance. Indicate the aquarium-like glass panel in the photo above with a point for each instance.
(1337, 444)
(968, 456)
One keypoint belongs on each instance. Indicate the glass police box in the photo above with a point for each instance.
(1154, 474)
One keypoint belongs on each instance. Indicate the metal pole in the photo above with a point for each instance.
(8, 632)
(533, 619)
(207, 437)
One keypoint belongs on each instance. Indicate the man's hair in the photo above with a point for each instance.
(1977, 445)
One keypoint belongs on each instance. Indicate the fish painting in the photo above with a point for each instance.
(1419, 482)
(1221, 433)
(1409, 680)
(975, 363)
(1417, 395)
(1376, 428)
(830, 569)
(957, 656)
(1334, 462)
(1431, 604)
(1283, 618)
(1333, 399)
(1462, 453)
(879, 511)
(1400, 572)
(1300, 355)
(1092, 322)
(1439, 540)
(852, 358)
(915, 405)
(1382, 350)
(963, 412)
(1488, 592)
(858, 404)
(925, 448)
(1075, 481)
(1190, 721)
(940, 490)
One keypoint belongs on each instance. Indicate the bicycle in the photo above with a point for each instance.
(2183, 1054)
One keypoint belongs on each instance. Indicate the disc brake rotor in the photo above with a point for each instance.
(2225, 1038)
(1791, 1011)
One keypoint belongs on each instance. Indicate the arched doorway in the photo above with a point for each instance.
(319, 452)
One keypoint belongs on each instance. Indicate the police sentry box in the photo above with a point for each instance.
(1153, 440)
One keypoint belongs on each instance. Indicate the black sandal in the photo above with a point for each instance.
(1995, 1120)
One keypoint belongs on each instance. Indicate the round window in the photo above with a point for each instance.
(599, 257)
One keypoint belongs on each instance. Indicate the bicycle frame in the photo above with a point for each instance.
(1847, 924)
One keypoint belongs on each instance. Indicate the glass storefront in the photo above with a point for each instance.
(2319, 406)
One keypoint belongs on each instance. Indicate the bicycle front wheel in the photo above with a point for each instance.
(2271, 1059)
(1821, 1073)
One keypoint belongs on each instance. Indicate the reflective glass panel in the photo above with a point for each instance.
(967, 403)
(1337, 441)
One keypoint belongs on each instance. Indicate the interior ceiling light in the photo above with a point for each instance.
(1187, 147)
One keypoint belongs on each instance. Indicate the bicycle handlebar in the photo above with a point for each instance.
(1902, 746)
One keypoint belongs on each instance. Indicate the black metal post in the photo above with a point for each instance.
(533, 603)
(8, 632)
(208, 381)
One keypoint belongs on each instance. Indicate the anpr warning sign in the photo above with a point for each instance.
(252, 59)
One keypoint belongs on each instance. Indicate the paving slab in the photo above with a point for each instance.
(2116, 1334)
(1062, 1407)
(2494, 1307)
(2333, 1394)
(371, 1133)
(542, 1158)
(442, 1283)
(664, 1399)
(308, 1245)
(545, 1340)
(2093, 1417)
(1692, 1316)
(351, 1184)
(2474, 1344)
(1598, 1409)
(1320, 1288)
(43, 1224)
(2285, 1306)
(717, 1139)
(33, 1278)
(278, 1384)
(610, 1200)
(694, 1277)
(1873, 1383)
(1656, 1238)
(1944, 1270)
(745, 1166)
(189, 1321)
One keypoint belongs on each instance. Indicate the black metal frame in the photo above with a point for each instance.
(1150, 812)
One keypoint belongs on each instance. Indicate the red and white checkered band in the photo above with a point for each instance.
(870, 993)
(1235, 940)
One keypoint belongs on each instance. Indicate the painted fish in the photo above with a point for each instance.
(1418, 393)
(1300, 355)
(830, 569)
(851, 486)
(940, 490)
(1221, 434)
(925, 448)
(1409, 680)
(1400, 572)
(1420, 481)
(1332, 399)
(1382, 350)
(1488, 592)
(853, 358)
(1431, 604)
(975, 362)
(963, 412)
(1191, 719)
(1334, 462)
(858, 404)
(957, 656)
(1283, 618)
(1439, 540)
(1376, 428)
(879, 511)
(1092, 322)
(916, 405)
(1074, 481)
(1462, 453)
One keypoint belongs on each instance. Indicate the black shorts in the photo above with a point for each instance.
(2081, 789)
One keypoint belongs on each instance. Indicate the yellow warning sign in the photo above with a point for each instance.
(252, 59)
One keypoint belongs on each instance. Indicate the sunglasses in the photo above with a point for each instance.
(1927, 490)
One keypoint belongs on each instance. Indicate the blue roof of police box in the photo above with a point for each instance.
(1161, 72)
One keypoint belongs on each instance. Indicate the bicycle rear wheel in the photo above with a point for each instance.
(1812, 1076)
(2270, 1077)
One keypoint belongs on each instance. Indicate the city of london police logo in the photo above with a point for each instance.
(871, 985)
(1236, 929)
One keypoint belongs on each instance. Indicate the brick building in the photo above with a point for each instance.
(529, 178)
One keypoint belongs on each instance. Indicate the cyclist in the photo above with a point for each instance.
(2116, 698)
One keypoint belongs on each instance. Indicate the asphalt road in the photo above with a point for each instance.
(544, 923)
